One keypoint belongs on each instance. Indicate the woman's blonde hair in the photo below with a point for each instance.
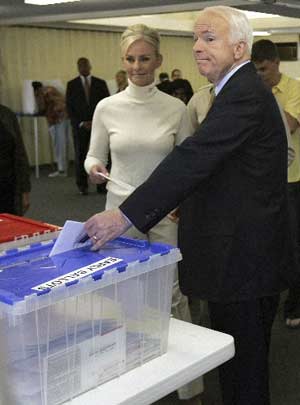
(137, 32)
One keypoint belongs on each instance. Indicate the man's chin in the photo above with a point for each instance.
(203, 71)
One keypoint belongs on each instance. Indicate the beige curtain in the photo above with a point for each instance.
(29, 53)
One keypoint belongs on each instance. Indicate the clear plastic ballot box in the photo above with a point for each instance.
(80, 318)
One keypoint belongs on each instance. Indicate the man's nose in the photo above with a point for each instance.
(198, 46)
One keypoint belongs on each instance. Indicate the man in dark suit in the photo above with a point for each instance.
(229, 179)
(83, 94)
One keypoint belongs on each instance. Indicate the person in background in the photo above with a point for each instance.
(176, 74)
(14, 167)
(182, 89)
(121, 80)
(51, 103)
(287, 92)
(139, 127)
(164, 83)
(163, 77)
(199, 104)
(83, 94)
(229, 180)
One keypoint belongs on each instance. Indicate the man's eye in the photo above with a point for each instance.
(210, 39)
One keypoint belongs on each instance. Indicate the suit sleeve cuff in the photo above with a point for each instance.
(126, 218)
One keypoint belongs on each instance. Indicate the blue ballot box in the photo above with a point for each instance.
(80, 318)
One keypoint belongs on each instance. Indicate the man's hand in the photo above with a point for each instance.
(106, 226)
(94, 174)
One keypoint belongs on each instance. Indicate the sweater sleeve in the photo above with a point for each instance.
(99, 143)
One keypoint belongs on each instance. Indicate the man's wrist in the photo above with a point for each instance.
(129, 223)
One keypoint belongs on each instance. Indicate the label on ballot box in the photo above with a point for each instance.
(78, 274)
(77, 319)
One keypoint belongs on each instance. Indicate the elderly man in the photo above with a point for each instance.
(229, 179)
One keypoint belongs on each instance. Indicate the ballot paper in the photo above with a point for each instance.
(69, 238)
(120, 183)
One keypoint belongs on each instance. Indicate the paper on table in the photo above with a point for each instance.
(69, 237)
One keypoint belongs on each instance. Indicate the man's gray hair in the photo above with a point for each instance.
(239, 25)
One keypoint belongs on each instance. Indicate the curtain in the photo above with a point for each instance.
(33, 53)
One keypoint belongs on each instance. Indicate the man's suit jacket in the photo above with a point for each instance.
(78, 108)
(230, 178)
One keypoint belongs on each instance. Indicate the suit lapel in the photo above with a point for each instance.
(237, 78)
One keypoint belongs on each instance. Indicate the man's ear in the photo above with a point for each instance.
(239, 50)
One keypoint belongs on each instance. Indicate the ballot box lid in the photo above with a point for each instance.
(30, 279)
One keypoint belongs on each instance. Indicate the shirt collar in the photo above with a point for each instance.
(89, 77)
(141, 92)
(225, 79)
(281, 85)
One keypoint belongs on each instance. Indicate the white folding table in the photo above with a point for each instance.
(192, 352)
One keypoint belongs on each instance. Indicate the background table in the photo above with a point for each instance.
(192, 351)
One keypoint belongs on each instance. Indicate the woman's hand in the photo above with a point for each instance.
(174, 215)
(95, 177)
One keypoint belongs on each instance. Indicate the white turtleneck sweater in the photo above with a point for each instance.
(139, 126)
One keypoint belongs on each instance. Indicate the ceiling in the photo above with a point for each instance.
(173, 16)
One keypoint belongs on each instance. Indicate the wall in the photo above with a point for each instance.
(45, 53)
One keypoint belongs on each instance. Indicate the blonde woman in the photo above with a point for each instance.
(139, 127)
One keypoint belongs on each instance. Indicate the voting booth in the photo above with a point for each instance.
(79, 318)
(29, 105)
